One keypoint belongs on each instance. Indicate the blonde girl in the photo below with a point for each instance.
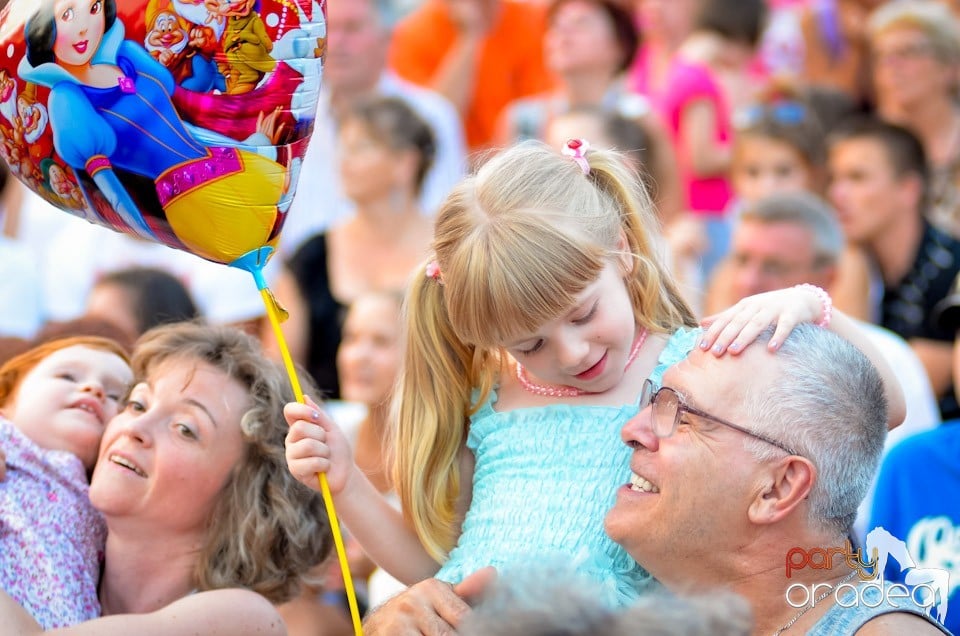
(528, 338)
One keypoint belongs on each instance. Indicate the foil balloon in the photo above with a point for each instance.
(178, 121)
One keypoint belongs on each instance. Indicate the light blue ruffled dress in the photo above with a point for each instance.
(544, 480)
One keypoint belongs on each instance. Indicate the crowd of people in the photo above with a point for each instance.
(614, 317)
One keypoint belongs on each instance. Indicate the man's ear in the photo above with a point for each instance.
(786, 486)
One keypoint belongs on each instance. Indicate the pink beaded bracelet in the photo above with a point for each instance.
(825, 301)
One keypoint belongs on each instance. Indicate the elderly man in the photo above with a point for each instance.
(747, 474)
(789, 444)
(788, 239)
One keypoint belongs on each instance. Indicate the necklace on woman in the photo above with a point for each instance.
(571, 391)
(813, 604)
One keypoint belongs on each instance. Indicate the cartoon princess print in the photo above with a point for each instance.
(111, 114)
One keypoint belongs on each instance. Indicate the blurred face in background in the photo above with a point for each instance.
(369, 168)
(765, 256)
(369, 356)
(580, 37)
(113, 304)
(866, 190)
(763, 166)
(356, 46)
(907, 70)
(666, 21)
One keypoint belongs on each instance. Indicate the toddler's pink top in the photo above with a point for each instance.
(51, 538)
(688, 82)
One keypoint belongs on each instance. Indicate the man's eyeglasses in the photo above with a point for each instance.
(668, 409)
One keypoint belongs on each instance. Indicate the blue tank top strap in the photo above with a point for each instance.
(847, 615)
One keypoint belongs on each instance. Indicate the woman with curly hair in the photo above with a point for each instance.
(206, 527)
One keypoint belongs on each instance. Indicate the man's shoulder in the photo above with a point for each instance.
(897, 623)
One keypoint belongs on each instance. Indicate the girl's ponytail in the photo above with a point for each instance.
(431, 406)
(658, 304)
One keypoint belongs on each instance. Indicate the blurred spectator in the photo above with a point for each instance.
(85, 326)
(368, 362)
(779, 147)
(588, 46)
(664, 25)
(140, 298)
(709, 76)
(790, 239)
(479, 54)
(79, 255)
(915, 47)
(835, 51)
(385, 151)
(355, 70)
(878, 187)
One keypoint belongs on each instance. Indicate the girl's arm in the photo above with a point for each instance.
(314, 445)
(733, 329)
(231, 612)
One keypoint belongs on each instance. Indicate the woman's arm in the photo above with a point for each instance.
(231, 612)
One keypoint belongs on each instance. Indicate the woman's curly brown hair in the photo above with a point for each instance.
(266, 529)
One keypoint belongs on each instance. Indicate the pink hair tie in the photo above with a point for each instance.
(576, 149)
(433, 271)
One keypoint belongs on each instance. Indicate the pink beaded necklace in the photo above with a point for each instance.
(570, 391)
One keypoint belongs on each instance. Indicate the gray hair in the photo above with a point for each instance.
(554, 600)
(807, 210)
(828, 404)
(933, 18)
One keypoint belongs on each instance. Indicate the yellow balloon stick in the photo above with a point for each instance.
(254, 262)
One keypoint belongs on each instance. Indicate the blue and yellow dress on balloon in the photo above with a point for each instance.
(218, 195)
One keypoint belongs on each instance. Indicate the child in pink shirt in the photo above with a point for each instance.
(55, 400)
(710, 70)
